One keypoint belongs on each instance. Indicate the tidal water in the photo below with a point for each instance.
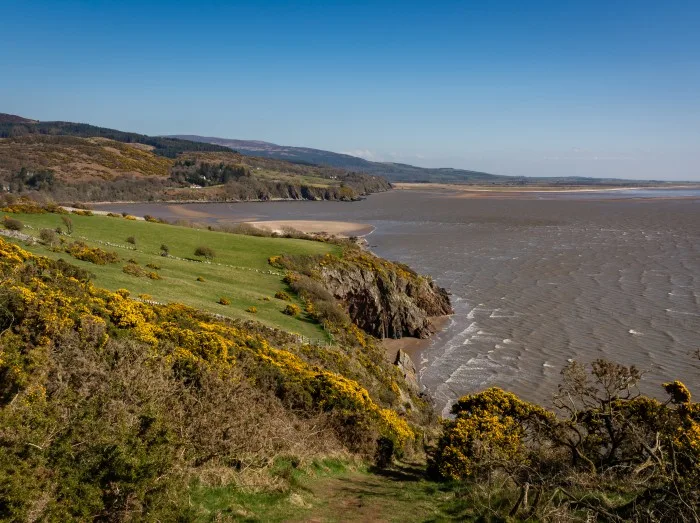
(536, 281)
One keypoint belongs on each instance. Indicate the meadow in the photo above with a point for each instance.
(239, 271)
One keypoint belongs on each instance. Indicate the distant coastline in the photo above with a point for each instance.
(407, 186)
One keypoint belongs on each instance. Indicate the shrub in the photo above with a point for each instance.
(145, 297)
(68, 223)
(252, 310)
(164, 250)
(82, 213)
(204, 252)
(154, 276)
(605, 442)
(153, 266)
(291, 310)
(133, 270)
(199, 278)
(224, 301)
(150, 218)
(281, 295)
(12, 224)
(129, 217)
(131, 240)
(48, 237)
(81, 251)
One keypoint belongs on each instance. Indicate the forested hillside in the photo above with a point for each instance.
(83, 163)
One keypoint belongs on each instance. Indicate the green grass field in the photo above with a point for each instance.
(239, 271)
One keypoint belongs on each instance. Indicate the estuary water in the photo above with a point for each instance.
(537, 280)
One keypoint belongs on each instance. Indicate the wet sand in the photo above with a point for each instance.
(414, 347)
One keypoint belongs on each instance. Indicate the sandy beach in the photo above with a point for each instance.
(315, 227)
(413, 346)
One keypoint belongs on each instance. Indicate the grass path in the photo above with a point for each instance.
(400, 494)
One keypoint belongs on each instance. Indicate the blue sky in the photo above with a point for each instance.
(608, 88)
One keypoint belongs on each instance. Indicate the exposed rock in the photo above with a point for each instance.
(386, 299)
(405, 364)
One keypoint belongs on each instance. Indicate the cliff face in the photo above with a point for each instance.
(385, 299)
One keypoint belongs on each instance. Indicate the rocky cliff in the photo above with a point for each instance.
(385, 299)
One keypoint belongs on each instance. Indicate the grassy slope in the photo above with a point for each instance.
(239, 271)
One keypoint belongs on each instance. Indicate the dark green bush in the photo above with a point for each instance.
(205, 252)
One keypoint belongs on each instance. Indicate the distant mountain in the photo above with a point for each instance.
(396, 172)
(392, 171)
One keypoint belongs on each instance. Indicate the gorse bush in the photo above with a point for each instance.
(82, 251)
(281, 295)
(110, 406)
(291, 310)
(639, 455)
(133, 269)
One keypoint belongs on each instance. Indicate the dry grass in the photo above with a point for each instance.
(80, 159)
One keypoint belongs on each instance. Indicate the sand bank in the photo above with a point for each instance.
(315, 227)
(488, 191)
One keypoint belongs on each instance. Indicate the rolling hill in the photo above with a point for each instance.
(399, 172)
(391, 171)
(81, 162)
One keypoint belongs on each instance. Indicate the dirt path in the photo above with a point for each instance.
(397, 495)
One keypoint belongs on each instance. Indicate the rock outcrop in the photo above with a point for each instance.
(385, 299)
(405, 364)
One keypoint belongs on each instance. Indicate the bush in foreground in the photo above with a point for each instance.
(607, 450)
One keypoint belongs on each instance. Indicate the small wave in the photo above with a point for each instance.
(635, 333)
(681, 312)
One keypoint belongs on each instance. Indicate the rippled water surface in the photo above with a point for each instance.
(535, 282)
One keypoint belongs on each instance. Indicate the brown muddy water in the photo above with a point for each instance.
(536, 281)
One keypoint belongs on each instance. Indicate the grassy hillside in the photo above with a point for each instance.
(118, 410)
(239, 271)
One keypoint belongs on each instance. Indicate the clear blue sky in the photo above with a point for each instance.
(599, 88)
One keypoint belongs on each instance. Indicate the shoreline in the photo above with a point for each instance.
(414, 347)
(335, 228)
(413, 186)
